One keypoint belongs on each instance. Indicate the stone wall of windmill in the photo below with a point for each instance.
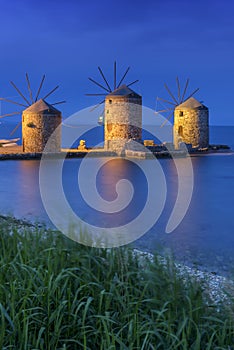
(191, 124)
(123, 119)
(41, 122)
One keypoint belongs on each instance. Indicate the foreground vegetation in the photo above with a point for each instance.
(56, 294)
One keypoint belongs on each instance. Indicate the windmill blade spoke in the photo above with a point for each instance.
(162, 99)
(10, 101)
(29, 88)
(92, 109)
(178, 87)
(95, 94)
(134, 82)
(192, 93)
(114, 75)
(40, 86)
(57, 103)
(165, 110)
(167, 119)
(20, 93)
(123, 77)
(95, 82)
(17, 126)
(185, 89)
(9, 114)
(170, 93)
(104, 78)
(56, 87)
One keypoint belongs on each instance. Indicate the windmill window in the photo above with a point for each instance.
(181, 114)
(180, 131)
(107, 111)
(109, 127)
(110, 102)
(31, 125)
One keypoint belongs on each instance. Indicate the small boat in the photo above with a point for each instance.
(101, 120)
(8, 143)
(12, 144)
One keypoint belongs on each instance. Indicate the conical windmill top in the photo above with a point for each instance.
(28, 102)
(41, 106)
(124, 90)
(190, 103)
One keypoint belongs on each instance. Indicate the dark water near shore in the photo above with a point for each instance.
(204, 237)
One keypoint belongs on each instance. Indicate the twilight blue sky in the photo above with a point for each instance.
(68, 39)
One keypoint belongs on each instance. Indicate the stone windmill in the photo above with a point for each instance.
(122, 112)
(191, 118)
(40, 120)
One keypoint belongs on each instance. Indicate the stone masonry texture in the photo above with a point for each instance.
(191, 126)
(123, 120)
(37, 128)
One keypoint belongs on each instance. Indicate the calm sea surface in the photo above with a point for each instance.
(205, 237)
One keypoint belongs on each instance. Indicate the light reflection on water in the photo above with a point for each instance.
(111, 172)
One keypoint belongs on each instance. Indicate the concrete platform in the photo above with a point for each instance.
(11, 149)
(16, 153)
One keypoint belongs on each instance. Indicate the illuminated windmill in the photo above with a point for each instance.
(191, 117)
(123, 112)
(108, 88)
(39, 121)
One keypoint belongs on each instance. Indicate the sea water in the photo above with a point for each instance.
(205, 236)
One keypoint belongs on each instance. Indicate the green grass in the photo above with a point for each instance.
(56, 294)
